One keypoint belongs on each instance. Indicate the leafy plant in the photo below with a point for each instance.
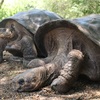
(65, 8)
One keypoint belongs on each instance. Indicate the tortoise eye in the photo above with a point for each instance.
(21, 81)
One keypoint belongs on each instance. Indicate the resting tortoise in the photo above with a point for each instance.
(74, 49)
(17, 32)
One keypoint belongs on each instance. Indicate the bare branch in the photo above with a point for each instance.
(1, 3)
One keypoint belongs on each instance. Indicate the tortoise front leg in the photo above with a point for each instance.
(3, 44)
(69, 73)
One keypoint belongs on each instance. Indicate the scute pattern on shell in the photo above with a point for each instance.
(90, 26)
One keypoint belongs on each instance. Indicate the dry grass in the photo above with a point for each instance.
(82, 89)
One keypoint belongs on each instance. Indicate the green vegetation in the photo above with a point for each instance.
(65, 8)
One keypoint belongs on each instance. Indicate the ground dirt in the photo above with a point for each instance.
(83, 89)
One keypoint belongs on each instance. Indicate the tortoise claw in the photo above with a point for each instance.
(59, 85)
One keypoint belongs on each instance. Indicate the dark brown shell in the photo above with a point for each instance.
(89, 25)
(31, 19)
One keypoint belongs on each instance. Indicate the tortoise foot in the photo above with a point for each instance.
(60, 85)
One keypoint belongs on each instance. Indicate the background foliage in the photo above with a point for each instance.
(65, 8)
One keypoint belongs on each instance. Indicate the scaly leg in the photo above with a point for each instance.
(69, 73)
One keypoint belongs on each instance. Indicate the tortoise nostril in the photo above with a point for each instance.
(21, 81)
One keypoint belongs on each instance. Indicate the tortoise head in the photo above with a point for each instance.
(5, 36)
(30, 80)
(6, 33)
(10, 35)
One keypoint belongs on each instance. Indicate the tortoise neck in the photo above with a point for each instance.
(58, 40)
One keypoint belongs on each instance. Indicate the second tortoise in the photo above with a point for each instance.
(17, 32)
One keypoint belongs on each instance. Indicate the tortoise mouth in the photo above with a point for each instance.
(21, 86)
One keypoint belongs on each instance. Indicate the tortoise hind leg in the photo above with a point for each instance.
(69, 73)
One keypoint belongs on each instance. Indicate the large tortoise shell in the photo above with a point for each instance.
(88, 25)
(32, 19)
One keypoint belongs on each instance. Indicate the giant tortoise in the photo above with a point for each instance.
(17, 32)
(74, 49)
